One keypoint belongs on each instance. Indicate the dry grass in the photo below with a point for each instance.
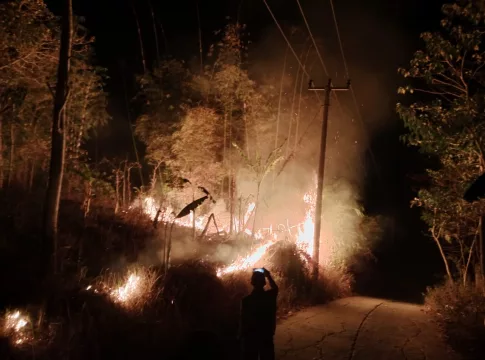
(133, 290)
(460, 311)
(167, 309)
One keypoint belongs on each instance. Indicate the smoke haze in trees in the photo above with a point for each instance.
(365, 36)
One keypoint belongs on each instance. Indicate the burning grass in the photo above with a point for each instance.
(139, 313)
(17, 326)
(132, 291)
(26, 331)
(249, 261)
(143, 311)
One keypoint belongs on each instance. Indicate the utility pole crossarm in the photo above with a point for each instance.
(321, 170)
(311, 87)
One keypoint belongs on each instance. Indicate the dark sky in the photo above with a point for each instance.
(378, 35)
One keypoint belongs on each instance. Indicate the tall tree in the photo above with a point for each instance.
(28, 46)
(447, 122)
(58, 145)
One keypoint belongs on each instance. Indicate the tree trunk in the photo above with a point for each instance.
(1, 152)
(124, 184)
(58, 147)
(292, 111)
(467, 265)
(443, 256)
(117, 191)
(297, 125)
(128, 184)
(279, 104)
(154, 178)
(140, 38)
(200, 38)
(31, 176)
(246, 132)
(224, 154)
(481, 246)
(231, 194)
(80, 134)
(168, 248)
(155, 32)
(256, 204)
(12, 155)
(193, 215)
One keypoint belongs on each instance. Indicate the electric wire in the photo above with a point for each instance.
(290, 46)
(286, 39)
(318, 52)
(339, 39)
(288, 43)
(312, 37)
(354, 98)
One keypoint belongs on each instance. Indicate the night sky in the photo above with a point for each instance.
(378, 35)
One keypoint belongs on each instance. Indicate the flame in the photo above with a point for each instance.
(15, 325)
(132, 292)
(150, 208)
(304, 238)
(248, 261)
(129, 291)
(306, 230)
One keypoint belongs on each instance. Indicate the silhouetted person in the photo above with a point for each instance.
(258, 318)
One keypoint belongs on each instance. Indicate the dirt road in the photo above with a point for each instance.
(360, 328)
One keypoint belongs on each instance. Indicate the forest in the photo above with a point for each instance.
(126, 255)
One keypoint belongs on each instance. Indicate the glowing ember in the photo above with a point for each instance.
(15, 326)
(247, 262)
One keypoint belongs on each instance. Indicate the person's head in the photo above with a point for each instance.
(258, 280)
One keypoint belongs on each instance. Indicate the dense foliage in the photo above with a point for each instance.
(29, 50)
(446, 121)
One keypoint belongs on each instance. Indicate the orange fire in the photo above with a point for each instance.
(15, 326)
(150, 207)
(303, 239)
(247, 262)
(128, 291)
(131, 291)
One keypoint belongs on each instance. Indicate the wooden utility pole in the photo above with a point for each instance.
(321, 170)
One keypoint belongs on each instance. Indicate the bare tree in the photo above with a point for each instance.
(58, 149)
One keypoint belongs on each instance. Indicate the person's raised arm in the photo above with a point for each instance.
(272, 283)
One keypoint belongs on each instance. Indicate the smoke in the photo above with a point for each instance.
(348, 231)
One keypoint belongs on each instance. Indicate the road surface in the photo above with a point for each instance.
(359, 328)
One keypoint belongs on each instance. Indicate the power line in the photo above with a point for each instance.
(339, 39)
(319, 55)
(311, 36)
(289, 44)
(286, 39)
(354, 98)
